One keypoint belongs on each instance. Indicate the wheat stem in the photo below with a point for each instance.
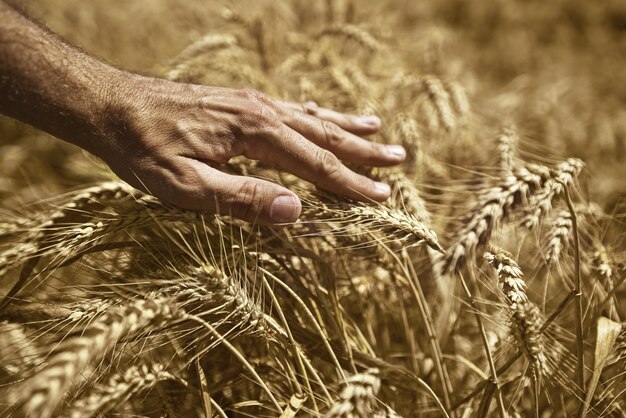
(437, 353)
(239, 356)
(311, 317)
(483, 335)
(292, 341)
(580, 349)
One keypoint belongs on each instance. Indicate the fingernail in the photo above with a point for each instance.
(285, 209)
(383, 188)
(369, 120)
(396, 151)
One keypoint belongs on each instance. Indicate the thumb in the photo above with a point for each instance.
(247, 198)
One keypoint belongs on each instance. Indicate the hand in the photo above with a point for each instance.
(168, 139)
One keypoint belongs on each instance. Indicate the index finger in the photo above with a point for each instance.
(356, 124)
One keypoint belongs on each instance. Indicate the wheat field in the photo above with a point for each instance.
(490, 284)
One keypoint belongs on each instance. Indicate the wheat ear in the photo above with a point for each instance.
(558, 236)
(564, 175)
(377, 220)
(41, 394)
(354, 33)
(118, 389)
(493, 207)
(358, 396)
(507, 150)
(526, 320)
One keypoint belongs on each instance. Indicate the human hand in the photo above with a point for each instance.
(169, 139)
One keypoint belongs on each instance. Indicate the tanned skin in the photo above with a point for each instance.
(169, 138)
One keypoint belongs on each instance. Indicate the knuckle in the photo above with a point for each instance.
(334, 135)
(328, 164)
(247, 202)
(254, 95)
(266, 116)
(310, 108)
(260, 116)
(182, 126)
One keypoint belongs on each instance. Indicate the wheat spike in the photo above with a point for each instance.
(601, 264)
(558, 236)
(45, 235)
(17, 349)
(459, 100)
(41, 394)
(63, 242)
(358, 397)
(405, 196)
(565, 172)
(526, 317)
(434, 88)
(507, 150)
(208, 284)
(407, 133)
(352, 32)
(494, 206)
(358, 218)
(179, 66)
(103, 397)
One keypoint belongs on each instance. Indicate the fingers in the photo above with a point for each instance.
(287, 150)
(357, 124)
(204, 188)
(343, 144)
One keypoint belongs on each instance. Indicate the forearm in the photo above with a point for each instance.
(49, 84)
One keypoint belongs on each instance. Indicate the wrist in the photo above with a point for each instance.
(113, 104)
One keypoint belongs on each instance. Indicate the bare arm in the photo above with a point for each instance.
(166, 138)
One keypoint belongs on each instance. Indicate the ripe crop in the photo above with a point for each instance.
(490, 284)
